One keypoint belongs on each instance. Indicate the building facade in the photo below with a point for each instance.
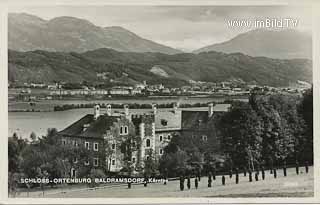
(118, 140)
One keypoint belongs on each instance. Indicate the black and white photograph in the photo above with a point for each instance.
(160, 101)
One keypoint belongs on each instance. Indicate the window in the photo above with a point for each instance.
(95, 146)
(204, 138)
(160, 151)
(148, 143)
(113, 162)
(169, 137)
(73, 173)
(95, 162)
(164, 122)
(160, 138)
(86, 162)
(113, 146)
(133, 160)
(125, 130)
(75, 160)
(64, 142)
(148, 157)
(121, 130)
(86, 144)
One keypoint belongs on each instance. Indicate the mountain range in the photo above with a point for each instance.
(110, 66)
(74, 50)
(285, 44)
(68, 34)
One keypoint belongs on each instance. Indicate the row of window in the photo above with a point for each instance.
(113, 161)
(113, 145)
(203, 137)
(148, 144)
(86, 144)
(87, 162)
(161, 137)
(95, 146)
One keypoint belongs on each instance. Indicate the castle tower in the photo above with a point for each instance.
(142, 135)
(126, 111)
(154, 108)
(175, 107)
(96, 111)
(109, 110)
(210, 109)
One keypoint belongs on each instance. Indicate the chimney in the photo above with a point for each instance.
(154, 108)
(96, 112)
(210, 109)
(126, 110)
(109, 110)
(175, 107)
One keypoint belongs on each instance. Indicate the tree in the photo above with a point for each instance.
(241, 131)
(13, 155)
(282, 126)
(150, 164)
(173, 162)
(33, 136)
(13, 183)
(129, 145)
(306, 111)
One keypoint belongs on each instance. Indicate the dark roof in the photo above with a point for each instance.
(197, 118)
(194, 120)
(95, 128)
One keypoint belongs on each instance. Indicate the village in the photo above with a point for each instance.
(42, 91)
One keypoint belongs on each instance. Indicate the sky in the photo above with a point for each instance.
(183, 27)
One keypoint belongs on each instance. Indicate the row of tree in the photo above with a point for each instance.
(270, 130)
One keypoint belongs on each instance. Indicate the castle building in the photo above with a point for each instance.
(167, 125)
(115, 139)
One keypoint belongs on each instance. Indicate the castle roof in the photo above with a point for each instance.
(198, 119)
(194, 120)
(221, 107)
(89, 127)
(168, 120)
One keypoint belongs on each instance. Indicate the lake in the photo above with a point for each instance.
(23, 123)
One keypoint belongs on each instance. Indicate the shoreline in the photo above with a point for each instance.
(138, 103)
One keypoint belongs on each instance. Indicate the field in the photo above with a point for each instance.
(291, 186)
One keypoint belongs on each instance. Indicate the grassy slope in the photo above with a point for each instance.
(291, 186)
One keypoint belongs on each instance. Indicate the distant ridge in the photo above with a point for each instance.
(171, 70)
(68, 34)
(284, 44)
